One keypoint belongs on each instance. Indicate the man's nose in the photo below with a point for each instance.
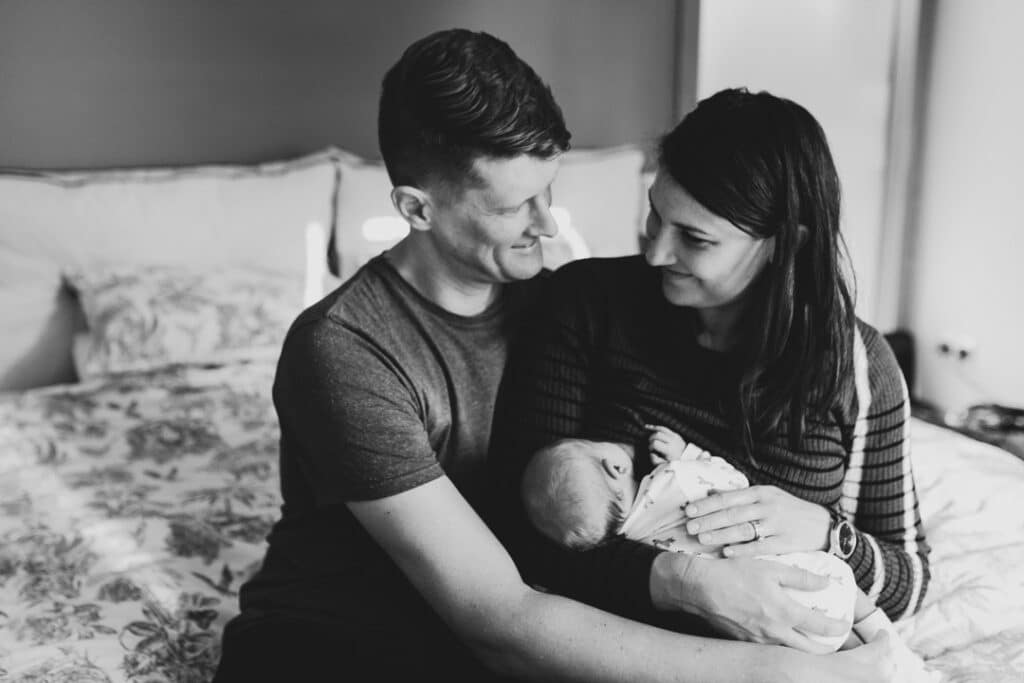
(661, 249)
(544, 223)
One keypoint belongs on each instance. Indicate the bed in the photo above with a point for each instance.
(136, 504)
(137, 487)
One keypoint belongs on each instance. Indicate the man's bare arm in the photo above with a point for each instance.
(466, 575)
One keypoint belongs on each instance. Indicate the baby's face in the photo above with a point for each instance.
(615, 467)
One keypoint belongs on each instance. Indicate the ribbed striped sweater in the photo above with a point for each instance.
(607, 354)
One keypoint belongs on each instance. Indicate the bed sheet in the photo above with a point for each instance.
(133, 507)
(971, 624)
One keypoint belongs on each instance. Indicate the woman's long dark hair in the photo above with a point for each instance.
(763, 163)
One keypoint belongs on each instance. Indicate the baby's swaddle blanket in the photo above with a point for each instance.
(658, 514)
(658, 518)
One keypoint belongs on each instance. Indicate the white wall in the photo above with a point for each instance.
(968, 255)
(834, 57)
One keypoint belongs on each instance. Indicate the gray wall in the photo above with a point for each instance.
(149, 82)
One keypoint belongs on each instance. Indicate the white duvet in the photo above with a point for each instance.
(971, 625)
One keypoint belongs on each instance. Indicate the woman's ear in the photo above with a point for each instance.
(801, 235)
(414, 206)
(769, 246)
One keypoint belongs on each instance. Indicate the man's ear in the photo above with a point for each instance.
(414, 206)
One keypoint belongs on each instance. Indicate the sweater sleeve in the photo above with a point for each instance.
(890, 561)
(543, 398)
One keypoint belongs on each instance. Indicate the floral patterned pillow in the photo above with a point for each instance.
(146, 316)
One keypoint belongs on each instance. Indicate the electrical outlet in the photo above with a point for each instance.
(958, 346)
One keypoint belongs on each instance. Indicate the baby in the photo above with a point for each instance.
(582, 493)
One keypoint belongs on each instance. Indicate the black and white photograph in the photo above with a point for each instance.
(511, 340)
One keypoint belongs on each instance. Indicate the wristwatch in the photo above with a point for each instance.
(842, 537)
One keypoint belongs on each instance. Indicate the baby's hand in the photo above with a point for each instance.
(666, 445)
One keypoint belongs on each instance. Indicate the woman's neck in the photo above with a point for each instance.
(719, 328)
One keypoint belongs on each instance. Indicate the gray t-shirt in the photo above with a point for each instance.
(378, 391)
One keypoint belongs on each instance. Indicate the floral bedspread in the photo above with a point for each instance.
(132, 508)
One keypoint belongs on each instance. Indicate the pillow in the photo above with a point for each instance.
(202, 215)
(602, 191)
(598, 200)
(139, 317)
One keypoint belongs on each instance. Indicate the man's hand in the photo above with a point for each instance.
(744, 598)
(863, 606)
(875, 662)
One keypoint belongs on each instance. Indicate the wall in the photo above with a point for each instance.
(128, 83)
(968, 251)
(834, 57)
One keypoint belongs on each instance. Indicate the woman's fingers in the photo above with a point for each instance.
(723, 501)
(731, 525)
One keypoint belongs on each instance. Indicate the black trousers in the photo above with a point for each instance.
(283, 649)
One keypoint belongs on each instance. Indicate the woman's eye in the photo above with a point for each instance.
(652, 227)
(697, 242)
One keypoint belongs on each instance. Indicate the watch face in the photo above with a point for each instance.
(847, 538)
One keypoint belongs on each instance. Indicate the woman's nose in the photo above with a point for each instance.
(660, 248)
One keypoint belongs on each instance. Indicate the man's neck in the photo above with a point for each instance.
(432, 277)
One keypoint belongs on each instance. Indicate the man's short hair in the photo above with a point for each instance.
(457, 95)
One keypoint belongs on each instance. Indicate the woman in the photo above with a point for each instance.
(736, 329)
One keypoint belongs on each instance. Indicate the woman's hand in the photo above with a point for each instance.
(745, 598)
(760, 520)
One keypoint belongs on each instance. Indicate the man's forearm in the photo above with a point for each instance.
(614, 576)
(534, 643)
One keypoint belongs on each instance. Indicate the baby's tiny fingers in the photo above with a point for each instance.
(659, 430)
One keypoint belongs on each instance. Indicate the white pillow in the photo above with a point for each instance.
(207, 215)
(141, 317)
(603, 191)
(598, 198)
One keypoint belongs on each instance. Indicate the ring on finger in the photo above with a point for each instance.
(755, 526)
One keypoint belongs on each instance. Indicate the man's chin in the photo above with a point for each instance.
(522, 266)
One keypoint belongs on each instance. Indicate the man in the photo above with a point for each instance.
(380, 565)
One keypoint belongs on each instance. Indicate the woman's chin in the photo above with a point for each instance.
(680, 295)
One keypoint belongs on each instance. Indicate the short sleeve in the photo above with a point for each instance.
(350, 417)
